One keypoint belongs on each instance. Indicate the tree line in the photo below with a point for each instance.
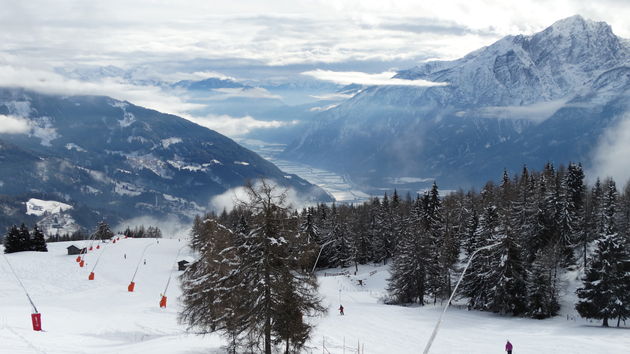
(531, 228)
(22, 239)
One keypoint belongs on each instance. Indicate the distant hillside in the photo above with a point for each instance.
(120, 160)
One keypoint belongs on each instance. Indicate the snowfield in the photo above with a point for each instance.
(38, 207)
(101, 316)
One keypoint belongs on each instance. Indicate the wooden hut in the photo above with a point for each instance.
(72, 249)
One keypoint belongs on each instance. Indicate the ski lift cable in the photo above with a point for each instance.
(140, 261)
(437, 325)
(20, 282)
(98, 259)
(171, 273)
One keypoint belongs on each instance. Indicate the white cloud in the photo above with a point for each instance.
(536, 112)
(234, 127)
(13, 125)
(354, 77)
(47, 81)
(333, 96)
(243, 92)
(232, 197)
(610, 157)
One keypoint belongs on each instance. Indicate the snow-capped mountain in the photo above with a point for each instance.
(121, 160)
(522, 100)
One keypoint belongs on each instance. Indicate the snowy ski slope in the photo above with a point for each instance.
(101, 316)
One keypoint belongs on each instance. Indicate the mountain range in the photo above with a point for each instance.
(114, 160)
(524, 100)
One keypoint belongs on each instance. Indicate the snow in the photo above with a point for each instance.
(381, 328)
(124, 188)
(73, 146)
(170, 141)
(241, 163)
(38, 207)
(101, 316)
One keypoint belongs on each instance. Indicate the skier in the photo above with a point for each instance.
(341, 312)
(508, 347)
(125, 255)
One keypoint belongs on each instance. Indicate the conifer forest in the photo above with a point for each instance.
(525, 232)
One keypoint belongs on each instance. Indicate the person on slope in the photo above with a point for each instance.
(341, 310)
(508, 347)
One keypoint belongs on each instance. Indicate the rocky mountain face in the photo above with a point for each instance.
(114, 160)
(522, 100)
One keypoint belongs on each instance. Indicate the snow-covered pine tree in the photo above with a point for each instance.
(24, 238)
(38, 242)
(103, 232)
(607, 279)
(244, 285)
(506, 275)
(474, 286)
(307, 247)
(468, 233)
(267, 268)
(386, 230)
(375, 230)
(407, 282)
(11, 240)
(624, 214)
(544, 232)
(343, 253)
(361, 235)
(576, 194)
(542, 294)
(524, 209)
(211, 285)
(433, 222)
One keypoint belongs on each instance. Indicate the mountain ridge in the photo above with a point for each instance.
(499, 99)
(123, 160)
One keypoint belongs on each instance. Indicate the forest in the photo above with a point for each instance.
(525, 232)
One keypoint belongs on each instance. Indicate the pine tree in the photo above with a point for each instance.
(11, 240)
(38, 242)
(542, 294)
(407, 283)
(607, 280)
(24, 238)
(103, 232)
(506, 275)
(474, 285)
(245, 285)
(307, 248)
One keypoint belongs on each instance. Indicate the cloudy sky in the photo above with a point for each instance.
(272, 38)
(62, 46)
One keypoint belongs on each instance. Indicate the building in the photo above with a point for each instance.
(72, 249)
(182, 265)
